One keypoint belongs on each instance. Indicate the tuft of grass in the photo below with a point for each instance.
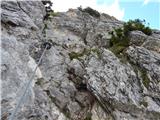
(74, 55)
(88, 116)
(39, 81)
(144, 103)
(97, 51)
(145, 78)
(45, 26)
(44, 29)
(78, 55)
(66, 112)
(143, 73)
(117, 50)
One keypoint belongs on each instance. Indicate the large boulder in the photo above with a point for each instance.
(152, 43)
(149, 61)
(119, 88)
(137, 38)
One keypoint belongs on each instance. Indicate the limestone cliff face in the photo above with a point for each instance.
(79, 78)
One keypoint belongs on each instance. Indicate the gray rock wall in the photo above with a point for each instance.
(79, 78)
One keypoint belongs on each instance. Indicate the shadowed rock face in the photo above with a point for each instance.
(79, 78)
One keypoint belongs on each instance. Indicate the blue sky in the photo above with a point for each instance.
(142, 9)
(121, 9)
(150, 12)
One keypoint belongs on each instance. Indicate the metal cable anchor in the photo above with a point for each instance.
(47, 45)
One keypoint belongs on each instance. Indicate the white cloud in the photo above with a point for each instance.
(145, 2)
(112, 9)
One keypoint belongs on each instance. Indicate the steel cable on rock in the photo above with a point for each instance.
(46, 46)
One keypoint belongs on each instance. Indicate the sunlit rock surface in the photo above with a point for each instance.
(79, 78)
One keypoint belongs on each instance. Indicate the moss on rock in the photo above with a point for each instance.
(145, 78)
(78, 55)
(88, 116)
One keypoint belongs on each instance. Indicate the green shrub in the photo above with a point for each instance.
(136, 24)
(92, 12)
(120, 36)
(118, 42)
(147, 31)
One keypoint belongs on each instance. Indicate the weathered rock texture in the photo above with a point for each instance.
(79, 78)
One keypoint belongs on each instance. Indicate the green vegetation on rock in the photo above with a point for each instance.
(144, 103)
(88, 116)
(120, 36)
(143, 73)
(44, 29)
(97, 51)
(90, 11)
(120, 41)
(39, 81)
(77, 55)
(145, 78)
(136, 24)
